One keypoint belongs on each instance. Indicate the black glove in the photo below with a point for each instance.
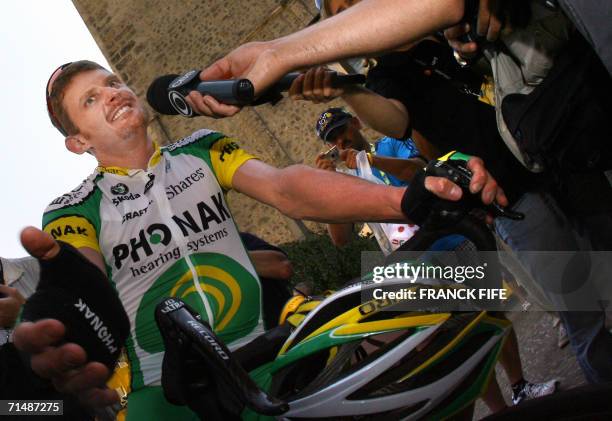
(418, 202)
(75, 292)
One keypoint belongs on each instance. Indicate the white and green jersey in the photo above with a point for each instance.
(167, 232)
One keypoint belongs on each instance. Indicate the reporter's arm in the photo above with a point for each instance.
(385, 115)
(370, 27)
(367, 28)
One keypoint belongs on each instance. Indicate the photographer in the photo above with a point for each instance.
(392, 161)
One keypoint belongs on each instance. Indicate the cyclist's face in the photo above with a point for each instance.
(103, 108)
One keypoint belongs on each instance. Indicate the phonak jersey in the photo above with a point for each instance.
(167, 231)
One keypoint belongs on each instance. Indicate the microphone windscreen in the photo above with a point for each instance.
(74, 291)
(157, 95)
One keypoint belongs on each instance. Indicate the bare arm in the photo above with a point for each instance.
(302, 192)
(369, 27)
(271, 264)
(385, 115)
(426, 148)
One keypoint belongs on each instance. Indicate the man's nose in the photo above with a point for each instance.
(111, 95)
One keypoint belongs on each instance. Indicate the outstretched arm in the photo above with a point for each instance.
(385, 115)
(370, 27)
(302, 192)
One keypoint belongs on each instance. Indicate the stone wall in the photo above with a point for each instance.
(143, 39)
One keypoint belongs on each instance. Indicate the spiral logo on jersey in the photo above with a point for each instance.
(225, 294)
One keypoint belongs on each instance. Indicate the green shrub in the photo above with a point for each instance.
(318, 261)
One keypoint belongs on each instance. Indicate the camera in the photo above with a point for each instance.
(332, 154)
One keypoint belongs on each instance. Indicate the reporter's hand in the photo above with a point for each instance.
(315, 85)
(64, 364)
(490, 20)
(254, 61)
(454, 34)
(9, 305)
(489, 25)
(323, 163)
(349, 156)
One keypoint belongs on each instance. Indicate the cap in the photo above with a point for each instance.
(331, 119)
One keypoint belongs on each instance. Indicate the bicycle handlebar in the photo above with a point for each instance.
(180, 323)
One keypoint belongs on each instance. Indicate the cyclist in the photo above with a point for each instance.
(155, 220)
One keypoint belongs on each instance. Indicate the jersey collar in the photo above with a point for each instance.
(153, 161)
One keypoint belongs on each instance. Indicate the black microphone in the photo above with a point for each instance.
(166, 94)
(77, 293)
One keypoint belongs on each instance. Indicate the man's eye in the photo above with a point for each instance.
(90, 100)
(114, 84)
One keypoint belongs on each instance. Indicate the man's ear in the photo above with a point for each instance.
(76, 144)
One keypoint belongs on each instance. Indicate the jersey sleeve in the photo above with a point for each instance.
(226, 157)
(74, 218)
(75, 230)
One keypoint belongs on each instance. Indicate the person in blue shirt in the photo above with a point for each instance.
(393, 161)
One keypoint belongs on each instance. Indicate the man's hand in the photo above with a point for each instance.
(490, 20)
(315, 85)
(454, 34)
(9, 305)
(64, 364)
(349, 156)
(323, 163)
(482, 182)
(254, 61)
(489, 25)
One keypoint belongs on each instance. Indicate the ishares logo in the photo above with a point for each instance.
(119, 188)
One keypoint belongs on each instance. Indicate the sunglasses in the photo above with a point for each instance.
(48, 89)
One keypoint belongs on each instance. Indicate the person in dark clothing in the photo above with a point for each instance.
(274, 269)
(441, 102)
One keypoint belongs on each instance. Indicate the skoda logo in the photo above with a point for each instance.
(120, 188)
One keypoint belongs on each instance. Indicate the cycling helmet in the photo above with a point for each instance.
(437, 364)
